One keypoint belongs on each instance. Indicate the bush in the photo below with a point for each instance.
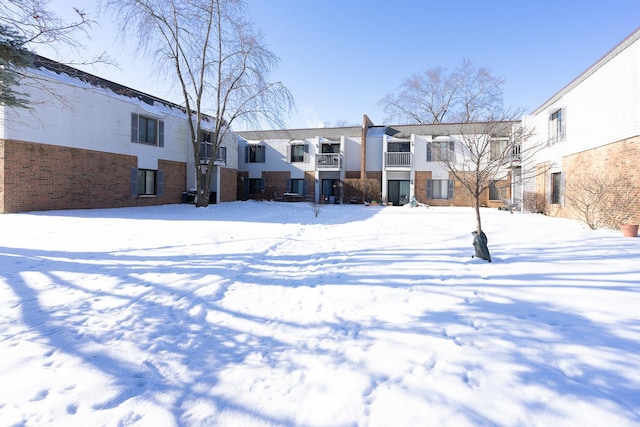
(601, 200)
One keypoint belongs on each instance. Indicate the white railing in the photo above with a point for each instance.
(397, 159)
(328, 160)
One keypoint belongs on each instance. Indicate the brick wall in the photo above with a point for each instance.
(617, 159)
(44, 177)
(275, 183)
(2, 167)
(461, 196)
(228, 185)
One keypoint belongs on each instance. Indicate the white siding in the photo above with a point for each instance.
(352, 153)
(85, 117)
(276, 158)
(600, 109)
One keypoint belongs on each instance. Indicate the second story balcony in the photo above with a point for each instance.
(206, 154)
(328, 161)
(400, 160)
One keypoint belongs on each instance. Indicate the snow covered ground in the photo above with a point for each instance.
(260, 313)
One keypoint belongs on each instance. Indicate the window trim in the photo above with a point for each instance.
(136, 126)
(305, 152)
(450, 189)
(258, 184)
(557, 125)
(300, 181)
(431, 152)
(247, 153)
(556, 188)
(158, 183)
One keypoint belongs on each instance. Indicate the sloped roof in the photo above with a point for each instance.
(396, 131)
(328, 133)
(445, 129)
(59, 68)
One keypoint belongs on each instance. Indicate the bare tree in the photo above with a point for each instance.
(601, 199)
(489, 144)
(466, 94)
(38, 25)
(24, 26)
(219, 63)
(485, 156)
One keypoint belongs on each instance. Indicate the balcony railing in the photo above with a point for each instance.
(397, 159)
(206, 153)
(328, 161)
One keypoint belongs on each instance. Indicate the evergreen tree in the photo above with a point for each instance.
(14, 56)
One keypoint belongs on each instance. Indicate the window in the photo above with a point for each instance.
(146, 182)
(557, 126)
(495, 191)
(399, 147)
(516, 153)
(206, 152)
(298, 153)
(440, 151)
(222, 154)
(440, 189)
(330, 148)
(206, 136)
(254, 154)
(297, 186)
(147, 130)
(557, 188)
(498, 149)
(256, 186)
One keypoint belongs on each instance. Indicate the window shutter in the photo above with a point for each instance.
(288, 153)
(134, 182)
(452, 151)
(562, 177)
(306, 155)
(246, 187)
(563, 125)
(428, 153)
(246, 154)
(288, 186)
(261, 185)
(160, 133)
(305, 186)
(134, 128)
(159, 183)
(429, 188)
(450, 190)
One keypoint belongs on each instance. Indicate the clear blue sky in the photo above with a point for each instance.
(340, 57)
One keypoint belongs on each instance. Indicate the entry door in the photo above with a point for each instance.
(330, 187)
(398, 192)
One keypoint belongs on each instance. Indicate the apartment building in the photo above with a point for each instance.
(90, 143)
(590, 131)
(86, 142)
(391, 164)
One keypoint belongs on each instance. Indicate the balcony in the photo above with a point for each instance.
(206, 153)
(397, 160)
(516, 155)
(328, 161)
